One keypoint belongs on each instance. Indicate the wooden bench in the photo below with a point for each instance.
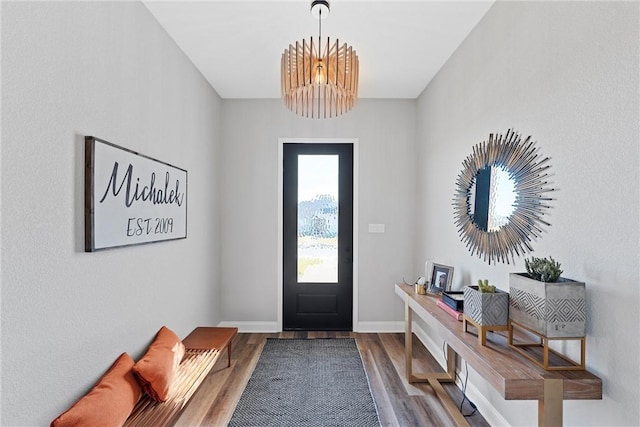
(203, 348)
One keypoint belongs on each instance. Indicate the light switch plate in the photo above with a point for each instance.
(376, 228)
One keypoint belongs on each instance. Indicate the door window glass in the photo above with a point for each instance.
(317, 218)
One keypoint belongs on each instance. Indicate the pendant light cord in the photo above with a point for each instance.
(320, 32)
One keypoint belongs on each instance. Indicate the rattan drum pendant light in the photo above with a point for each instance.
(319, 77)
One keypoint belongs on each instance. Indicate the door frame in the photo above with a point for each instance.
(280, 276)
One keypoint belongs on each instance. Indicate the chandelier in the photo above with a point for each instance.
(319, 80)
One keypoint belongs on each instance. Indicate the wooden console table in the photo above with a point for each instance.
(511, 374)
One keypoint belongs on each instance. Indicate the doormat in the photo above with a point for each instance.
(300, 382)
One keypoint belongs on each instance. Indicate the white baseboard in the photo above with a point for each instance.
(257, 327)
(488, 411)
(270, 327)
(372, 327)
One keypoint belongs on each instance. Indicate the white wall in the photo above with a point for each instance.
(566, 73)
(387, 176)
(106, 69)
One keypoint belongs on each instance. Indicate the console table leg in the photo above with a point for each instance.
(451, 364)
(449, 405)
(433, 378)
(550, 408)
(408, 347)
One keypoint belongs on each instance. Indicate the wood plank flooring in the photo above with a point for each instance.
(399, 403)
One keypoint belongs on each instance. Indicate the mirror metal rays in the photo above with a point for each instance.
(494, 236)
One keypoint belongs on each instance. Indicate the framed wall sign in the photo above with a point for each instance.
(131, 199)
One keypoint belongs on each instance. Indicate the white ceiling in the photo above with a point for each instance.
(237, 45)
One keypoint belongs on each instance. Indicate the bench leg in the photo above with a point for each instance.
(229, 354)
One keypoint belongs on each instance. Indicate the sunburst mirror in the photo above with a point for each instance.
(501, 197)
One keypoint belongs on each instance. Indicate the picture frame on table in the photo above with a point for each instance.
(441, 279)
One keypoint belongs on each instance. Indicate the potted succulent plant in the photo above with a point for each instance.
(546, 303)
(485, 307)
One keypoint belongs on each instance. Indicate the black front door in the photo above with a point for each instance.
(318, 237)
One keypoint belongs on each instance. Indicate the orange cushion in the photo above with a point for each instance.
(157, 368)
(109, 402)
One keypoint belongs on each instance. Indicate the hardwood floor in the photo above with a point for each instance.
(399, 403)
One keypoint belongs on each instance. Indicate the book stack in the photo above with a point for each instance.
(450, 310)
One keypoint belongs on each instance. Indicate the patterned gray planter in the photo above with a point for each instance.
(553, 310)
(486, 309)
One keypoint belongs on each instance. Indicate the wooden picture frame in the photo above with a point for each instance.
(130, 198)
(441, 278)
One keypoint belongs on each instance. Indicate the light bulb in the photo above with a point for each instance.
(320, 73)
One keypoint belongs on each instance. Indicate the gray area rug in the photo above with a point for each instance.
(318, 382)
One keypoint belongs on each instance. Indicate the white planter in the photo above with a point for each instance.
(553, 310)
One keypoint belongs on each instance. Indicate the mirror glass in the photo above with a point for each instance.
(491, 198)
